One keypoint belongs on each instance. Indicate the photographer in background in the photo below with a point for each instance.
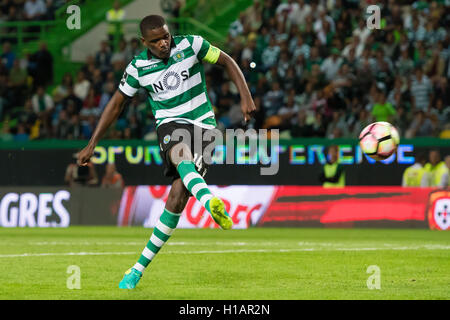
(80, 176)
(112, 178)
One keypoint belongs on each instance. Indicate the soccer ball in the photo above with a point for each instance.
(379, 140)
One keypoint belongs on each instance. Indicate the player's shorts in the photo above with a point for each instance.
(167, 139)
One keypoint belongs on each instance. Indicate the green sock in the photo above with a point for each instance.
(161, 233)
(194, 182)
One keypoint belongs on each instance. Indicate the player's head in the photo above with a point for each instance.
(155, 36)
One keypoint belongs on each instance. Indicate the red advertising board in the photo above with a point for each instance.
(350, 206)
(299, 206)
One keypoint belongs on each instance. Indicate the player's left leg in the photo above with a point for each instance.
(176, 201)
(181, 158)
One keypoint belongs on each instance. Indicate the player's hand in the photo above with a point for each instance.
(248, 108)
(84, 156)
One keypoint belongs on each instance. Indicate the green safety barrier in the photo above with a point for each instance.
(79, 144)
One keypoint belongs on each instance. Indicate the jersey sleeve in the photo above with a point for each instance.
(129, 84)
(204, 50)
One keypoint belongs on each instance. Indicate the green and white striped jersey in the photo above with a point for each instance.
(177, 90)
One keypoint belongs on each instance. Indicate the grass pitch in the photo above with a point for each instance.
(237, 264)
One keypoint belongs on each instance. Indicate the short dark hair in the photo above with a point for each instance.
(150, 22)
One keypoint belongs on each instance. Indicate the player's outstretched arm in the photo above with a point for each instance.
(109, 115)
(235, 74)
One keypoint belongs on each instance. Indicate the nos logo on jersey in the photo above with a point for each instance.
(171, 81)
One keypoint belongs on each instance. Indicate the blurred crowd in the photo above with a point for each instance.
(29, 10)
(316, 70)
(313, 68)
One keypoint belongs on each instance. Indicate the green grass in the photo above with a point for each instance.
(238, 264)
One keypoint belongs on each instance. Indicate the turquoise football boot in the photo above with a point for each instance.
(130, 279)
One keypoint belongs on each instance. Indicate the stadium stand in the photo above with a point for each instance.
(313, 67)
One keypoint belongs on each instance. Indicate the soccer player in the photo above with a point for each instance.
(171, 70)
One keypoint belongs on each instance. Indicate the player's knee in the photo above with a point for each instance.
(180, 152)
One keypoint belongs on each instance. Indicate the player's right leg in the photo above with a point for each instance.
(176, 201)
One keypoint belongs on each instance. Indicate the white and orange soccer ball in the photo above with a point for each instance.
(379, 140)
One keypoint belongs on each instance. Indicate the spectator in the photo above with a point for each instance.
(18, 82)
(437, 169)
(298, 47)
(71, 103)
(122, 54)
(416, 175)
(284, 64)
(21, 135)
(63, 126)
(288, 111)
(417, 32)
(42, 60)
(338, 122)
(7, 57)
(421, 90)
(446, 176)
(421, 126)
(107, 93)
(404, 65)
(81, 86)
(270, 54)
(273, 100)
(35, 9)
(333, 174)
(362, 122)
(112, 178)
(42, 102)
(434, 66)
(6, 135)
(299, 13)
(237, 26)
(383, 110)
(115, 16)
(74, 128)
(254, 16)
(331, 65)
(135, 48)
(301, 128)
(103, 58)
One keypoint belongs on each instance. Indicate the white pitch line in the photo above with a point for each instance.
(64, 254)
(427, 247)
(132, 243)
(319, 245)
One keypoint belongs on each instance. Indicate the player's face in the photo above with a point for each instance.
(158, 41)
